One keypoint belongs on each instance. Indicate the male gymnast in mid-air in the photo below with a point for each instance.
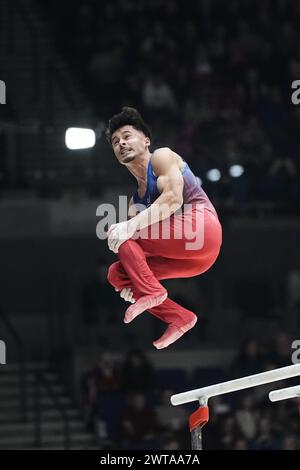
(168, 195)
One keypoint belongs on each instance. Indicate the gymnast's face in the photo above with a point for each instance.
(128, 144)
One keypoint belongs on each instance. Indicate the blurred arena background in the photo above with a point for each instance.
(213, 79)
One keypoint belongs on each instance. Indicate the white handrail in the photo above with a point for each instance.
(285, 393)
(203, 394)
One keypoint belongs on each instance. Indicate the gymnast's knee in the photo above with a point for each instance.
(114, 274)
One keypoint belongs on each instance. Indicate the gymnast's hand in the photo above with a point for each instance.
(126, 294)
(119, 233)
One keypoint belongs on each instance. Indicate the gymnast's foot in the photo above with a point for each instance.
(144, 303)
(173, 333)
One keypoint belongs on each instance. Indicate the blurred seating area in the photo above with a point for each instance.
(213, 80)
(127, 403)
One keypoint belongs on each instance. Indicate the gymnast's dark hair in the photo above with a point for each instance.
(128, 116)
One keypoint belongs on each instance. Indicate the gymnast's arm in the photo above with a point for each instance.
(170, 185)
(131, 209)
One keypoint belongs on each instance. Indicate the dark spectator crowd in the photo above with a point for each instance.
(212, 77)
(127, 403)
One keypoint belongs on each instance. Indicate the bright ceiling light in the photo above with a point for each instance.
(79, 138)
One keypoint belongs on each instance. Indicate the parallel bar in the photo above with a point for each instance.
(285, 393)
(233, 385)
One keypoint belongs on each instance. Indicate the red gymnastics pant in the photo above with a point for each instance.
(143, 262)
